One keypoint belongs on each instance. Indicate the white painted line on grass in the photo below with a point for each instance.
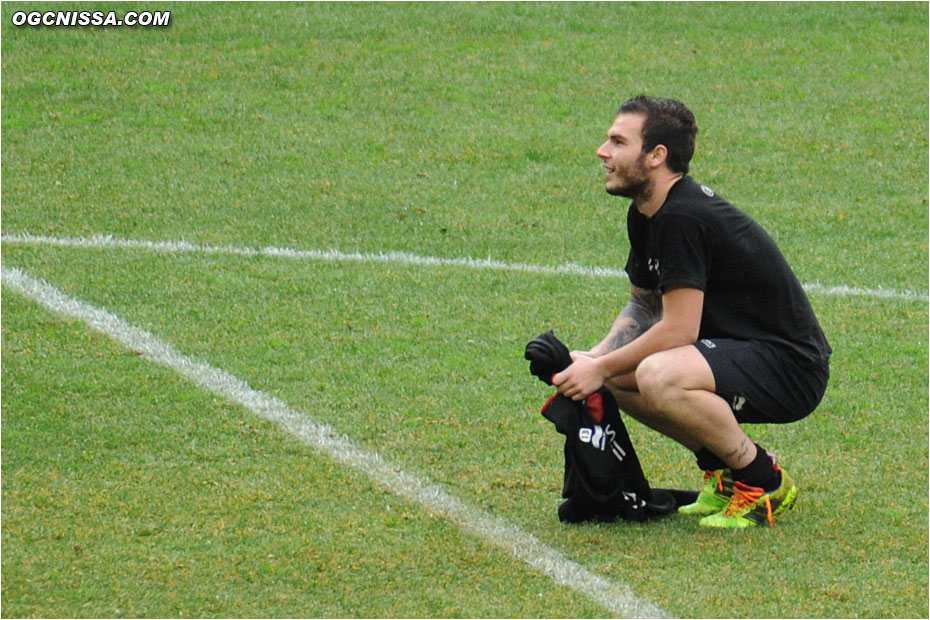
(405, 258)
(619, 599)
(402, 258)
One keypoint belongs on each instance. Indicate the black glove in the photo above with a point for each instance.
(547, 356)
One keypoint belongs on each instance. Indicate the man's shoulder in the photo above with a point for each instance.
(692, 200)
(689, 191)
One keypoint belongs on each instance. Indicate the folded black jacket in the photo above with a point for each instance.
(603, 477)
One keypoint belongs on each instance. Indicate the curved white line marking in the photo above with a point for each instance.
(619, 599)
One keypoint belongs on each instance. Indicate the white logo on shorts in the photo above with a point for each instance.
(738, 402)
(708, 343)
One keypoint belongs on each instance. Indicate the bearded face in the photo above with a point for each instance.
(624, 162)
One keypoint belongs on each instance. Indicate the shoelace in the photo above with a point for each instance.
(707, 476)
(746, 498)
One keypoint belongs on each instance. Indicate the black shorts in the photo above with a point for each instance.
(763, 383)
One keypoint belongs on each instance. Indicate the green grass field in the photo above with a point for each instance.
(446, 131)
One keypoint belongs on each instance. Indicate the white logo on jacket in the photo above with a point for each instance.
(600, 438)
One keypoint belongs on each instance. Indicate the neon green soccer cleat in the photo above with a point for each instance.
(751, 506)
(714, 497)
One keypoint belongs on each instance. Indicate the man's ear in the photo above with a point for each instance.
(657, 156)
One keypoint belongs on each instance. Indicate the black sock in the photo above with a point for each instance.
(760, 472)
(708, 461)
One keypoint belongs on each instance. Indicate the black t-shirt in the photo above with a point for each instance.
(700, 240)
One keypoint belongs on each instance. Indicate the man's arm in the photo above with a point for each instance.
(679, 326)
(642, 312)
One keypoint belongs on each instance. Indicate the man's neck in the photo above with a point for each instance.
(654, 195)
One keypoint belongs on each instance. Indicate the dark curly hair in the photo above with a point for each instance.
(669, 123)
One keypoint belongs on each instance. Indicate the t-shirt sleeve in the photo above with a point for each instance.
(685, 252)
(638, 271)
(637, 267)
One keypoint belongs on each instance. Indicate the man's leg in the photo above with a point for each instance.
(673, 393)
(678, 387)
(633, 404)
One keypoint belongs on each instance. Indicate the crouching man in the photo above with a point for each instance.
(718, 331)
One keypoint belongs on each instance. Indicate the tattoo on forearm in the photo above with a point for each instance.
(641, 313)
(624, 334)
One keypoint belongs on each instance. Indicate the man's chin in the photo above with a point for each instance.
(626, 191)
(618, 191)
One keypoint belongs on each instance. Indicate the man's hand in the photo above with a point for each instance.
(584, 377)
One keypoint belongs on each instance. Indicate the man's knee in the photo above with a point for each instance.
(663, 376)
(653, 381)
